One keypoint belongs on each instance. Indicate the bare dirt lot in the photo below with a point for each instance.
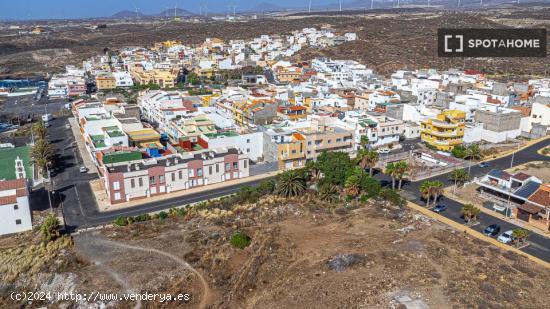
(388, 40)
(303, 254)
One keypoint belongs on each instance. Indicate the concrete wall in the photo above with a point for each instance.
(9, 215)
(498, 122)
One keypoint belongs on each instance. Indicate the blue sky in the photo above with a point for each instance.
(34, 9)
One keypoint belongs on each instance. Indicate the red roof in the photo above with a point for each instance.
(6, 200)
(13, 184)
(521, 176)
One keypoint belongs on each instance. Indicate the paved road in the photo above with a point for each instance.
(539, 245)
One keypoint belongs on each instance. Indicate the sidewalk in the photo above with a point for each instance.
(84, 154)
(474, 233)
(104, 206)
(449, 193)
(509, 152)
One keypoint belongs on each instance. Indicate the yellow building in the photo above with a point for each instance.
(445, 131)
(105, 82)
(292, 154)
(163, 78)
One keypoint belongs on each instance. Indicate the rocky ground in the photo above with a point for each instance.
(304, 253)
(388, 40)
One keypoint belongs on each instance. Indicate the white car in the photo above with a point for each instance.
(383, 151)
(83, 169)
(506, 237)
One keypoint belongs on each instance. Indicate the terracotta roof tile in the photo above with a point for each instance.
(12, 184)
(541, 196)
(6, 200)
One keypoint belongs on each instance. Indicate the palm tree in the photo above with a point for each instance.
(473, 152)
(470, 212)
(353, 185)
(39, 130)
(42, 153)
(314, 174)
(329, 192)
(520, 235)
(290, 184)
(364, 141)
(430, 189)
(393, 171)
(367, 159)
(402, 169)
(459, 176)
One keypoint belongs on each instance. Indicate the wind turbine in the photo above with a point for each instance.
(340, 5)
(309, 7)
(458, 5)
(371, 4)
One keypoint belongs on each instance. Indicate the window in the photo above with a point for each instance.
(199, 172)
(247, 150)
(210, 170)
(338, 140)
(191, 173)
(173, 177)
(116, 185)
(152, 180)
(15, 207)
(294, 151)
(180, 174)
(18, 221)
(117, 196)
(132, 183)
(217, 168)
(248, 141)
(161, 178)
(140, 181)
(235, 165)
(227, 166)
(245, 163)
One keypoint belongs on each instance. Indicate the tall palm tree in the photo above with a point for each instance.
(364, 141)
(393, 171)
(353, 185)
(470, 212)
(42, 153)
(430, 189)
(473, 152)
(368, 159)
(290, 184)
(402, 169)
(459, 176)
(39, 130)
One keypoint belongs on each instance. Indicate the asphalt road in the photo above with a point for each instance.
(73, 192)
(539, 246)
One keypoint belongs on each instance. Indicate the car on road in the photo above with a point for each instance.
(492, 230)
(47, 124)
(483, 164)
(506, 237)
(383, 151)
(67, 126)
(47, 117)
(439, 208)
(83, 169)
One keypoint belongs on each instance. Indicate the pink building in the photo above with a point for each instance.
(135, 179)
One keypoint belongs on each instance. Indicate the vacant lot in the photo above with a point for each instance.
(303, 254)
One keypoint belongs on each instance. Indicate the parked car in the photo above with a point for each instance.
(83, 169)
(47, 124)
(67, 126)
(383, 151)
(506, 237)
(483, 164)
(492, 230)
(439, 208)
(47, 117)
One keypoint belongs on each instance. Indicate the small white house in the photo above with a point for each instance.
(15, 213)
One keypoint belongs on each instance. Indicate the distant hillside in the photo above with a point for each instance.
(170, 12)
(127, 14)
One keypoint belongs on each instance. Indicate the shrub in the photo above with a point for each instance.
(240, 240)
(142, 218)
(163, 215)
(181, 212)
(364, 198)
(50, 228)
(121, 221)
(393, 197)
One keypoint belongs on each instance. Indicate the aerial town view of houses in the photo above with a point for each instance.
(236, 167)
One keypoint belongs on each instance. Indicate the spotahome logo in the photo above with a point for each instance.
(491, 42)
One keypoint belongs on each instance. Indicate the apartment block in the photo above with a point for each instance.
(445, 131)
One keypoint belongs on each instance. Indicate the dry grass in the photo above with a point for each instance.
(30, 259)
